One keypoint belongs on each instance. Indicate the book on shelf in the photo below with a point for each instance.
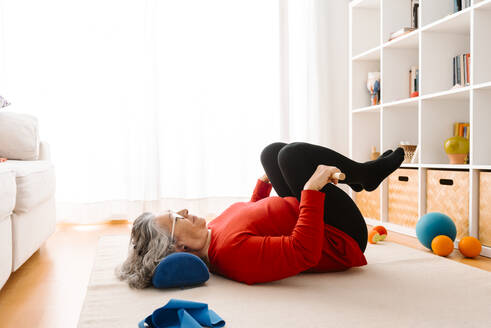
(401, 32)
(414, 81)
(458, 5)
(461, 129)
(461, 70)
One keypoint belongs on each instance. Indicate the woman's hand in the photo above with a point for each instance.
(322, 176)
(264, 178)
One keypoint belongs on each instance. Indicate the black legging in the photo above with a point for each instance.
(288, 167)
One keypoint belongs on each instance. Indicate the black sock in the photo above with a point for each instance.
(379, 169)
(358, 187)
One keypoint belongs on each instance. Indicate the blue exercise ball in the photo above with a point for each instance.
(434, 224)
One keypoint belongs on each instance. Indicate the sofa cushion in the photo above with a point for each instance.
(5, 250)
(7, 192)
(35, 183)
(19, 136)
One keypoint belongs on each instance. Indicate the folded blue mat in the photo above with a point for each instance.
(182, 314)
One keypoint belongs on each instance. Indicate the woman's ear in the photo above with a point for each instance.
(183, 212)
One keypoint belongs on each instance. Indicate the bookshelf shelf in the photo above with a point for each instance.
(426, 120)
(410, 166)
(371, 54)
(373, 109)
(482, 167)
(446, 166)
(483, 5)
(485, 85)
(408, 41)
(452, 94)
(403, 102)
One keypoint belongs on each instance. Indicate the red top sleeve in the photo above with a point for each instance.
(267, 258)
(262, 190)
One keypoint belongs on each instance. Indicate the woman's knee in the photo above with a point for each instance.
(291, 152)
(271, 151)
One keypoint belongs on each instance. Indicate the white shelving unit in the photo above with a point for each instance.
(426, 120)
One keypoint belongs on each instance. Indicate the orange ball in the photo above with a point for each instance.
(381, 231)
(470, 246)
(373, 237)
(442, 245)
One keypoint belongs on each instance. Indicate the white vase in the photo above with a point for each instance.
(374, 87)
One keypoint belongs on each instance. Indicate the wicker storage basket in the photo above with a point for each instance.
(448, 192)
(408, 152)
(403, 197)
(485, 208)
(369, 203)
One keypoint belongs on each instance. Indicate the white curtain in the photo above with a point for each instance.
(159, 104)
(314, 39)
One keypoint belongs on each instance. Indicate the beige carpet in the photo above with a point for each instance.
(400, 287)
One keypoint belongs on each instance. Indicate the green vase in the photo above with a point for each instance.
(457, 149)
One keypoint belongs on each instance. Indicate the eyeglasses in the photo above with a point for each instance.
(174, 216)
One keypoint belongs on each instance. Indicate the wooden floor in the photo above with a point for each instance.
(49, 289)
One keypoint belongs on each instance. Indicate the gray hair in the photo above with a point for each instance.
(148, 246)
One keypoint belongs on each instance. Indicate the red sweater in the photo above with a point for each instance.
(271, 238)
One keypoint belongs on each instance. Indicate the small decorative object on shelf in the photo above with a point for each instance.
(409, 151)
(374, 154)
(3, 102)
(461, 70)
(373, 86)
(413, 81)
(401, 32)
(457, 149)
(414, 13)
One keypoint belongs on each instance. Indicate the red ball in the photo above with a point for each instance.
(381, 231)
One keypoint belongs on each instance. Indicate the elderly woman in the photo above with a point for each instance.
(311, 226)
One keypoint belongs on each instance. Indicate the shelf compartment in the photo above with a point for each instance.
(480, 129)
(455, 23)
(366, 31)
(403, 197)
(437, 118)
(441, 12)
(396, 65)
(360, 69)
(485, 208)
(400, 16)
(400, 123)
(438, 51)
(366, 133)
(480, 59)
(448, 192)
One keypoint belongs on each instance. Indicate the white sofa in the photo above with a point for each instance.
(27, 189)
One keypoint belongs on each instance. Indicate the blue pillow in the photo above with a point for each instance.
(180, 270)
